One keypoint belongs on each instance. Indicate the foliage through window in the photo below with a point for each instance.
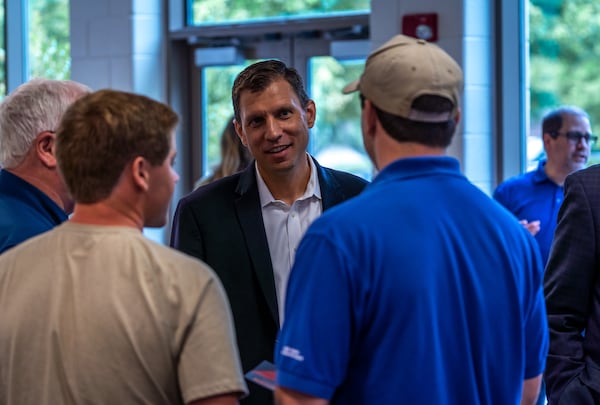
(218, 11)
(336, 139)
(49, 46)
(563, 61)
(217, 101)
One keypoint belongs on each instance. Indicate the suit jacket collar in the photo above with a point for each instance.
(249, 215)
(331, 191)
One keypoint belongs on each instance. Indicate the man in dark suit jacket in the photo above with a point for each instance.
(247, 226)
(572, 290)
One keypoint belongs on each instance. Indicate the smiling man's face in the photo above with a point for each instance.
(274, 126)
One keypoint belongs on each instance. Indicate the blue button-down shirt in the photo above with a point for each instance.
(533, 196)
(25, 211)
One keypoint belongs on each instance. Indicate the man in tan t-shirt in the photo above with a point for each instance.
(93, 312)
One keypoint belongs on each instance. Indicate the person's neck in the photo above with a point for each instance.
(556, 174)
(45, 180)
(289, 185)
(110, 212)
(389, 152)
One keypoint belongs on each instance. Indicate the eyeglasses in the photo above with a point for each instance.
(576, 136)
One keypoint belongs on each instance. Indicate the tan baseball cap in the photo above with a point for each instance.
(405, 68)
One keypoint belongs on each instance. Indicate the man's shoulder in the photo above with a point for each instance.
(14, 208)
(588, 180)
(19, 221)
(519, 180)
(589, 172)
(346, 180)
(24, 244)
(517, 185)
(11, 208)
(104, 239)
(177, 261)
(213, 192)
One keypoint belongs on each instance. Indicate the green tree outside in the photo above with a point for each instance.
(564, 58)
(215, 11)
(49, 46)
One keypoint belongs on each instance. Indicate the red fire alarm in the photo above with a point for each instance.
(422, 26)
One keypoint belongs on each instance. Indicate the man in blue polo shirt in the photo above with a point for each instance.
(535, 197)
(33, 197)
(421, 289)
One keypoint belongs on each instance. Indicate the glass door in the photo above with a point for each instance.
(336, 139)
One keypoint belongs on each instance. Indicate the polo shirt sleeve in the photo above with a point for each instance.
(313, 347)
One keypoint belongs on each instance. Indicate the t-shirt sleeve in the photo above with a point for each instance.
(313, 347)
(209, 361)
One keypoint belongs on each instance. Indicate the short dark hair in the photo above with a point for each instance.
(553, 121)
(258, 76)
(438, 134)
(102, 132)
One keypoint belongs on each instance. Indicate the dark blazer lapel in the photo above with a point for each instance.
(331, 190)
(250, 216)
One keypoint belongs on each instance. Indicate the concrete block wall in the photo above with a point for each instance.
(119, 44)
(465, 32)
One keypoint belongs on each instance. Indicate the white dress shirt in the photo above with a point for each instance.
(285, 225)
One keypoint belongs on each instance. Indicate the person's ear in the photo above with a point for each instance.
(240, 133)
(311, 113)
(457, 117)
(44, 145)
(370, 118)
(546, 139)
(140, 173)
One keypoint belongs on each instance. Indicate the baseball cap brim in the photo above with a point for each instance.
(404, 69)
(351, 87)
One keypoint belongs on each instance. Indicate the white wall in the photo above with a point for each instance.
(119, 44)
(465, 32)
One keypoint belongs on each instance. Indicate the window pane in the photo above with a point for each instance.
(217, 84)
(564, 58)
(217, 11)
(336, 139)
(49, 48)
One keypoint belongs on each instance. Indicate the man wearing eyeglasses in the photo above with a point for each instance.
(535, 197)
(420, 290)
